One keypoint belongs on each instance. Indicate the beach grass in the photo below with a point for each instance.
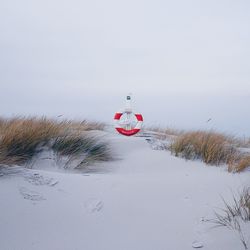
(21, 139)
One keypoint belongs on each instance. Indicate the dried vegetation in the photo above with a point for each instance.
(23, 138)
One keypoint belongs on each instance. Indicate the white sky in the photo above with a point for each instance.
(184, 61)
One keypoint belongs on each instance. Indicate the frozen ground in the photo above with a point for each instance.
(146, 200)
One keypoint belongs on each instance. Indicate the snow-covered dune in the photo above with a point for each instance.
(144, 200)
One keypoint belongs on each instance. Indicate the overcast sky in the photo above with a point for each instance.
(184, 61)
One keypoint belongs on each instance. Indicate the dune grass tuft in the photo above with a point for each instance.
(212, 148)
(239, 164)
(23, 138)
(233, 215)
(89, 148)
(20, 139)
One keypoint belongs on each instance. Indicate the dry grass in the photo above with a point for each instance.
(240, 208)
(239, 164)
(22, 138)
(233, 215)
(86, 148)
(210, 147)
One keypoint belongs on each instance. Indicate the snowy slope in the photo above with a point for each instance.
(146, 200)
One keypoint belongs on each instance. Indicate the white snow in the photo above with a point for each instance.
(146, 200)
(197, 244)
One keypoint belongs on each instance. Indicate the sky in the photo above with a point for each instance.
(184, 62)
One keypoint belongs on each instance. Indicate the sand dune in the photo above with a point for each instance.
(144, 200)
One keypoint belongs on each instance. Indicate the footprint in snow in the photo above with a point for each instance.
(197, 244)
(93, 206)
(30, 195)
(38, 180)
